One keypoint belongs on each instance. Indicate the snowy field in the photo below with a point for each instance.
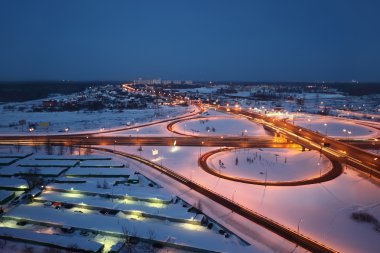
(145, 208)
(13, 183)
(321, 211)
(338, 128)
(43, 171)
(178, 233)
(217, 126)
(83, 121)
(153, 130)
(270, 164)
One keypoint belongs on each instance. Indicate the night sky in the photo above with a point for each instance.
(294, 40)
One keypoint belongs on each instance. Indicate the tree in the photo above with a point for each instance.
(32, 177)
(88, 150)
(52, 250)
(48, 148)
(128, 238)
(71, 149)
(27, 249)
(105, 184)
(61, 149)
(18, 147)
(72, 248)
(3, 243)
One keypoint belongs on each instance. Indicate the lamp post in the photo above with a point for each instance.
(233, 195)
(298, 226)
(309, 120)
(374, 145)
(325, 128)
(200, 149)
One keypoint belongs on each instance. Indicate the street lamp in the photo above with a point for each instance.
(374, 145)
(309, 120)
(325, 128)
(298, 226)
(200, 149)
(233, 195)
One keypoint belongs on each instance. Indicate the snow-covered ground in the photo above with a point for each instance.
(219, 126)
(339, 128)
(78, 242)
(82, 121)
(182, 234)
(5, 194)
(77, 171)
(321, 211)
(270, 164)
(44, 171)
(146, 209)
(13, 182)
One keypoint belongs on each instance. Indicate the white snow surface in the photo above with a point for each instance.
(84, 121)
(323, 211)
(226, 126)
(335, 127)
(271, 164)
(13, 182)
(161, 209)
(186, 234)
(11, 170)
(59, 240)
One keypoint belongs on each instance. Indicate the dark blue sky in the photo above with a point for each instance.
(293, 40)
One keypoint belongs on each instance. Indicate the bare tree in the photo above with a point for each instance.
(151, 233)
(105, 184)
(48, 148)
(3, 243)
(52, 250)
(36, 147)
(72, 248)
(88, 150)
(129, 235)
(27, 249)
(18, 147)
(32, 177)
(198, 205)
(61, 149)
(71, 148)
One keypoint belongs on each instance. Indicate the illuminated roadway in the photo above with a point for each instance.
(330, 175)
(337, 152)
(340, 151)
(256, 217)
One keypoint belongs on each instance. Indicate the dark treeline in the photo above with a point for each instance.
(357, 89)
(350, 88)
(24, 91)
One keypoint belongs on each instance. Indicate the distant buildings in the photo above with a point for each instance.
(159, 81)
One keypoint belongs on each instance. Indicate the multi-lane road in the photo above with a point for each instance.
(337, 151)
(335, 171)
(340, 151)
(286, 232)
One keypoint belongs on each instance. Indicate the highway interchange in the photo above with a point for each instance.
(339, 152)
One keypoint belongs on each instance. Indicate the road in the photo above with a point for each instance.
(287, 233)
(337, 151)
(342, 152)
(336, 171)
(146, 141)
